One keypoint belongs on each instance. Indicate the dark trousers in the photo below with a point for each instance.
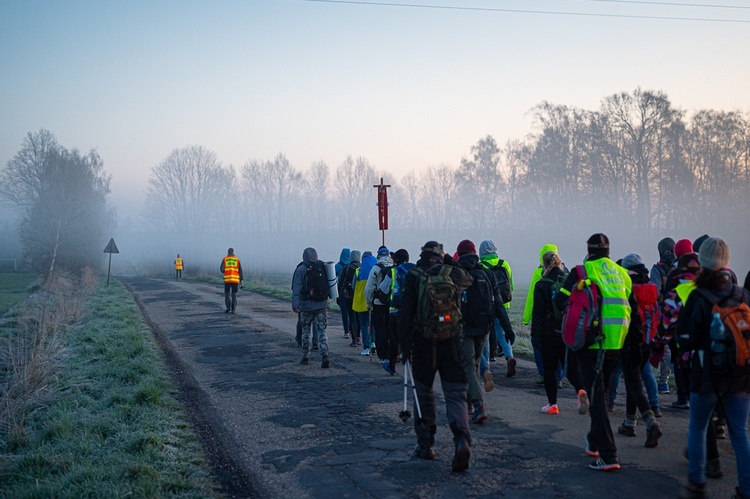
(632, 365)
(178, 274)
(393, 341)
(600, 434)
(231, 304)
(553, 352)
(381, 327)
(353, 319)
(446, 358)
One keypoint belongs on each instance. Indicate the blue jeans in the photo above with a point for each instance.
(364, 328)
(649, 383)
(501, 341)
(484, 360)
(737, 409)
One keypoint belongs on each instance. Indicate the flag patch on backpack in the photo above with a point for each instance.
(736, 320)
(315, 283)
(438, 304)
(580, 323)
(647, 296)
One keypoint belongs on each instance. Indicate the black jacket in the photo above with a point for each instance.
(407, 313)
(693, 331)
(470, 262)
(543, 321)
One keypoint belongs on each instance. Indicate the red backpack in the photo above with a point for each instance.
(580, 323)
(647, 296)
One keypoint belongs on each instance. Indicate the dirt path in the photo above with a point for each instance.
(274, 428)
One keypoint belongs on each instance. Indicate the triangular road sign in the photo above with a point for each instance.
(111, 247)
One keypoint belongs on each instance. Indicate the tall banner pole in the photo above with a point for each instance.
(382, 207)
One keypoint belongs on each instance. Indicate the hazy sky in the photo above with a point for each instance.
(405, 87)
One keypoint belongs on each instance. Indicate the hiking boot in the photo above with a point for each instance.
(304, 361)
(721, 431)
(359, 342)
(315, 348)
(664, 388)
(602, 465)
(233, 311)
(628, 431)
(365, 352)
(424, 452)
(479, 416)
(656, 411)
(346, 336)
(227, 310)
(713, 468)
(681, 404)
(583, 402)
(693, 491)
(652, 436)
(511, 367)
(388, 368)
(462, 455)
(325, 363)
(489, 384)
(353, 343)
(551, 409)
(589, 451)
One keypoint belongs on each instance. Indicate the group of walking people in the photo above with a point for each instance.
(447, 313)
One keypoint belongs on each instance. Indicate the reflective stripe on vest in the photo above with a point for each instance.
(231, 270)
(615, 286)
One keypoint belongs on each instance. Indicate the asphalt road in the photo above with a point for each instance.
(274, 428)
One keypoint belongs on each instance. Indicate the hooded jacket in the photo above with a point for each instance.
(535, 276)
(360, 281)
(344, 260)
(298, 279)
(378, 272)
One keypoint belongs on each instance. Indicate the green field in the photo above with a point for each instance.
(15, 287)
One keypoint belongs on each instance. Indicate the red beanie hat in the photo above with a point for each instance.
(682, 247)
(465, 247)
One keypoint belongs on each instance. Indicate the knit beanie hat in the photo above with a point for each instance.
(666, 247)
(683, 246)
(400, 256)
(487, 247)
(383, 251)
(714, 254)
(598, 244)
(465, 247)
(698, 242)
(432, 248)
(631, 260)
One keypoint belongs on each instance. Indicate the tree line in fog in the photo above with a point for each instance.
(637, 160)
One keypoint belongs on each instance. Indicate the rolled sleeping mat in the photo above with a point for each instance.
(333, 289)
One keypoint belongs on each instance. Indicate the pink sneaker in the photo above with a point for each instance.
(551, 409)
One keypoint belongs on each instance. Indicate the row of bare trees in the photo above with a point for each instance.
(637, 161)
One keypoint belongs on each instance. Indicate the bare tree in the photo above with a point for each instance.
(186, 192)
(354, 181)
(273, 188)
(438, 197)
(22, 179)
(315, 197)
(481, 183)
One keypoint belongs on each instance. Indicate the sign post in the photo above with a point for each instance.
(111, 248)
(382, 207)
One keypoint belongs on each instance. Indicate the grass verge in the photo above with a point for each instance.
(15, 287)
(109, 424)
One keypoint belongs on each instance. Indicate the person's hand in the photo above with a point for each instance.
(296, 311)
(510, 337)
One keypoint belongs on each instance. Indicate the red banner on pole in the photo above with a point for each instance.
(382, 207)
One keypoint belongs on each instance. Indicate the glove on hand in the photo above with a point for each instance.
(510, 337)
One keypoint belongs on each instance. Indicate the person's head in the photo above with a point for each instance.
(487, 248)
(432, 248)
(178, 255)
(632, 261)
(230, 251)
(598, 245)
(682, 247)
(714, 254)
(550, 260)
(355, 256)
(367, 253)
(383, 251)
(666, 249)
(400, 256)
(309, 255)
(698, 242)
(466, 247)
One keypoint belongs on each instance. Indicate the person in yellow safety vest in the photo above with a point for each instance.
(178, 267)
(232, 270)
(598, 362)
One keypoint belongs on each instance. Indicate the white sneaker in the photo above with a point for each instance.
(365, 352)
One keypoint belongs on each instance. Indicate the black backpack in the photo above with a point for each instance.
(503, 280)
(347, 281)
(477, 302)
(380, 295)
(315, 282)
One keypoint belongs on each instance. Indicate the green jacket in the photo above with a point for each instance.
(535, 276)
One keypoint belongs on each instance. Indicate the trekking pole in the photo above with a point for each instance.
(407, 367)
(405, 414)
(372, 336)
